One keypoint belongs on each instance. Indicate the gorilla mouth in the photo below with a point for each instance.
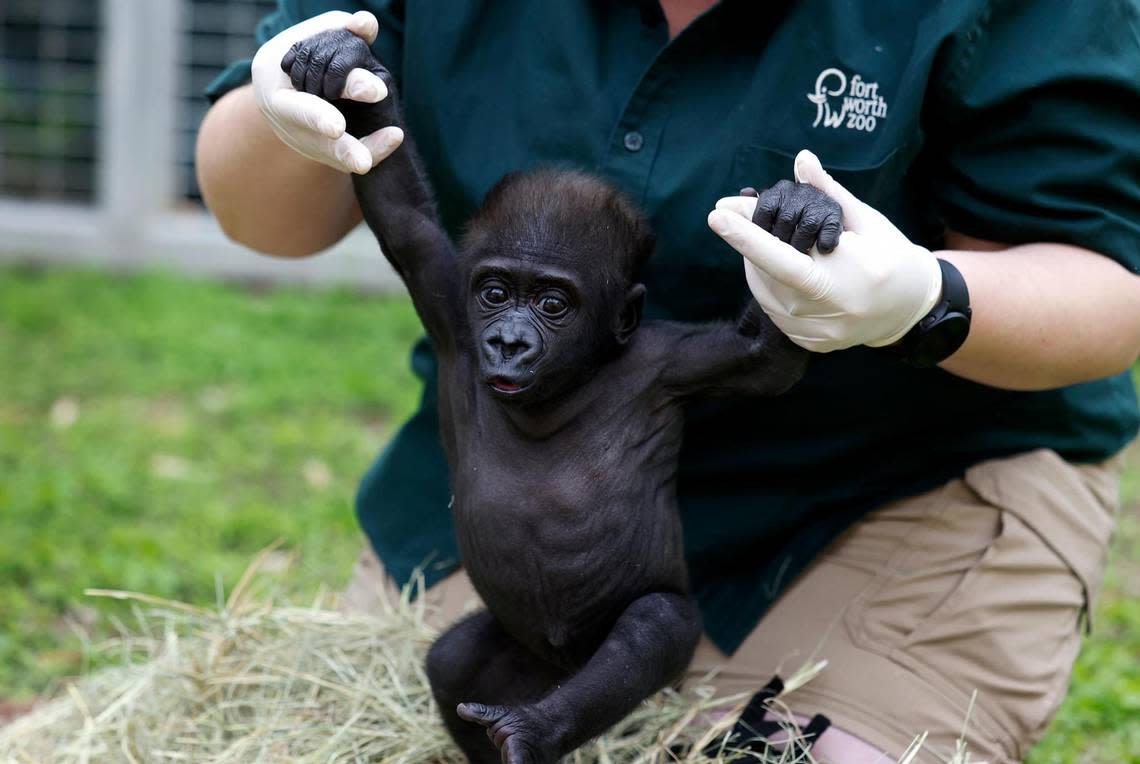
(504, 385)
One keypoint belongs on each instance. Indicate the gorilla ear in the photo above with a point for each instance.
(630, 316)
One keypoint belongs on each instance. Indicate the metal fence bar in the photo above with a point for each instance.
(41, 233)
(139, 218)
(138, 113)
(48, 116)
(215, 33)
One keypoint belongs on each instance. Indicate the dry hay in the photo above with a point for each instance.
(253, 682)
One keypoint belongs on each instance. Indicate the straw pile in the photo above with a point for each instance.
(252, 682)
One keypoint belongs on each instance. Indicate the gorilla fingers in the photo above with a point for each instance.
(319, 65)
(798, 214)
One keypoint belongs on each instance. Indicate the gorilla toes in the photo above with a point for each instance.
(800, 215)
(320, 64)
(516, 733)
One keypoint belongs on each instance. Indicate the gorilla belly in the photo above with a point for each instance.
(557, 576)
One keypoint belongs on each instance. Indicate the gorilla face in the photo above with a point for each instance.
(534, 336)
(549, 262)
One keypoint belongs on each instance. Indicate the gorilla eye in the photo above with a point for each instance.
(552, 306)
(495, 296)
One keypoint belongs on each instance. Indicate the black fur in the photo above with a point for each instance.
(562, 422)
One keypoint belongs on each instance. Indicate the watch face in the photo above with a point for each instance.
(941, 340)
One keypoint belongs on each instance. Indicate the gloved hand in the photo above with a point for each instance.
(306, 122)
(870, 290)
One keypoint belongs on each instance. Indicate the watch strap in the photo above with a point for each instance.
(939, 333)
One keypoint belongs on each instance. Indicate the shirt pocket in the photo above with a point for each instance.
(876, 180)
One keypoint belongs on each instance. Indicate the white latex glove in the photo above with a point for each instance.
(871, 290)
(309, 124)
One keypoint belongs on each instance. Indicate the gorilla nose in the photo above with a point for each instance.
(505, 347)
(511, 342)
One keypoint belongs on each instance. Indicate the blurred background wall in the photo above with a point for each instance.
(100, 101)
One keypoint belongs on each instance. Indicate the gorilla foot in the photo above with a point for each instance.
(516, 731)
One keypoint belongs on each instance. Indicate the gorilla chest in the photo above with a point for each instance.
(559, 535)
(608, 456)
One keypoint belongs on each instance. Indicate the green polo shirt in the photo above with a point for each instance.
(1013, 121)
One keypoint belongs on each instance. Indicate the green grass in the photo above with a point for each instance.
(208, 421)
(156, 432)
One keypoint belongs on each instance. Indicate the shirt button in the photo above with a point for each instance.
(634, 141)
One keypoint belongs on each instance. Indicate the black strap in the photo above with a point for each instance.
(752, 730)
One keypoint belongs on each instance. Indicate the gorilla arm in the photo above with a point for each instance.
(407, 226)
(394, 196)
(750, 357)
(754, 357)
(398, 206)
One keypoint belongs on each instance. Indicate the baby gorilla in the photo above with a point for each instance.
(562, 416)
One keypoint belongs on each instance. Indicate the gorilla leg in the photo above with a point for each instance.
(650, 645)
(475, 658)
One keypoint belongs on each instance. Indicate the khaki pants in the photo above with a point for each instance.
(983, 584)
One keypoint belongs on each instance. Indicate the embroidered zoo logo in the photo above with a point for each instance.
(854, 104)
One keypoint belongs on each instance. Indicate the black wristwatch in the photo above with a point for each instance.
(941, 331)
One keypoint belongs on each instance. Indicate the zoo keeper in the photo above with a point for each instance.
(931, 530)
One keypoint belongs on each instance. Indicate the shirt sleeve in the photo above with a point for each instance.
(1034, 132)
(389, 46)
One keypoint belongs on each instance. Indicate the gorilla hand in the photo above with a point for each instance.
(324, 65)
(870, 290)
(309, 124)
(798, 214)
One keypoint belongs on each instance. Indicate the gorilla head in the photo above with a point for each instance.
(550, 262)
